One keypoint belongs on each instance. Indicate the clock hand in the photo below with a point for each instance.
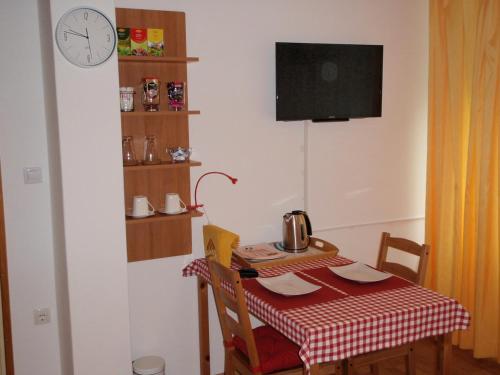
(88, 41)
(75, 33)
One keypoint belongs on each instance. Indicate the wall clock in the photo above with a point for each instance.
(85, 37)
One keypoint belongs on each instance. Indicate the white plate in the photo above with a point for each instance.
(129, 213)
(287, 284)
(259, 252)
(162, 210)
(359, 272)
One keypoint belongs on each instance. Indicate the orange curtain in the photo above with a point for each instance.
(462, 209)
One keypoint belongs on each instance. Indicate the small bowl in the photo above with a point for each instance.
(179, 154)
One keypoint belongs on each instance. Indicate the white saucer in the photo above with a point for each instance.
(162, 211)
(129, 214)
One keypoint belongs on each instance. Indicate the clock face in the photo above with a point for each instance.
(85, 37)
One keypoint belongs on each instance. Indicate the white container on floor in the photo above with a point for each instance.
(150, 365)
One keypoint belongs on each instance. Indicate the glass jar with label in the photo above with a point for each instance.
(175, 91)
(151, 94)
(127, 99)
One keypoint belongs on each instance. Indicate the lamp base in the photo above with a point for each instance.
(194, 207)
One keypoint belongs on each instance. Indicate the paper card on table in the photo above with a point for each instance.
(360, 273)
(259, 252)
(288, 284)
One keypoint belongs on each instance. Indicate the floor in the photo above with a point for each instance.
(462, 364)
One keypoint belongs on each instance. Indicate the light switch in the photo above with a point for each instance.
(32, 175)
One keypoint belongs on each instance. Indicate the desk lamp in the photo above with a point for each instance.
(196, 205)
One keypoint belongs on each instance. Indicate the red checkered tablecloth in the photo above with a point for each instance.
(352, 325)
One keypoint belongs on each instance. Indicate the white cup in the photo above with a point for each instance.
(174, 204)
(141, 206)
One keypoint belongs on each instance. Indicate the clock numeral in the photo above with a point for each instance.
(109, 38)
(85, 16)
(88, 59)
(65, 36)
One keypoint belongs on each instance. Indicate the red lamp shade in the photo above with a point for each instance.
(196, 205)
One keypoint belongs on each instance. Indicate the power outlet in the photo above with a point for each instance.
(41, 316)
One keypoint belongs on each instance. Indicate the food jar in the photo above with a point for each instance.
(151, 94)
(127, 99)
(175, 90)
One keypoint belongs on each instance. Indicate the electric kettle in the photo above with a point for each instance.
(296, 231)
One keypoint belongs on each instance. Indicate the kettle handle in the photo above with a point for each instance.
(308, 224)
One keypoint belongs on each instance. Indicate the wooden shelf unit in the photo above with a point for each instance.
(155, 59)
(162, 217)
(160, 235)
(163, 165)
(139, 113)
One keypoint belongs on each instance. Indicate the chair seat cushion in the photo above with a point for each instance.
(275, 351)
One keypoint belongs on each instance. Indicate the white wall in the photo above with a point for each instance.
(366, 176)
(28, 210)
(66, 235)
(233, 85)
(55, 174)
(94, 229)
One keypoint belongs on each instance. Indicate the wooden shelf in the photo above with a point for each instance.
(158, 113)
(163, 165)
(156, 59)
(160, 235)
(161, 217)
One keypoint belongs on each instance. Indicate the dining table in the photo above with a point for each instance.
(343, 318)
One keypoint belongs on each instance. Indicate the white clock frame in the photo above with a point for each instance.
(85, 37)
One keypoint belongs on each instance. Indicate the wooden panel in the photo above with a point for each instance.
(159, 239)
(155, 184)
(157, 59)
(203, 327)
(132, 73)
(157, 236)
(318, 249)
(162, 217)
(162, 165)
(172, 23)
(159, 114)
(169, 131)
(4, 287)
(174, 34)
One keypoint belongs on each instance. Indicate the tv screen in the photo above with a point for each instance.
(325, 82)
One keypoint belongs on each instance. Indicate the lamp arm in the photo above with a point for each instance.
(196, 205)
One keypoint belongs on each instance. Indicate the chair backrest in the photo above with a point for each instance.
(403, 244)
(219, 243)
(229, 295)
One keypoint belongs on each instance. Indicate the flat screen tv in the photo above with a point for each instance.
(328, 82)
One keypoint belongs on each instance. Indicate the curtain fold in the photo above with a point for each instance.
(462, 208)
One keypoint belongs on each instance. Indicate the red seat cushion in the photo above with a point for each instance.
(275, 351)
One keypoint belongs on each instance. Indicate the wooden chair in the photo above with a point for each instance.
(262, 350)
(406, 350)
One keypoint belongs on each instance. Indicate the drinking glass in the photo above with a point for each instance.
(150, 151)
(128, 151)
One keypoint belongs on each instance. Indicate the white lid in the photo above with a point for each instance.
(149, 365)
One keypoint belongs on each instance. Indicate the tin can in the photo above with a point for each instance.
(151, 94)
